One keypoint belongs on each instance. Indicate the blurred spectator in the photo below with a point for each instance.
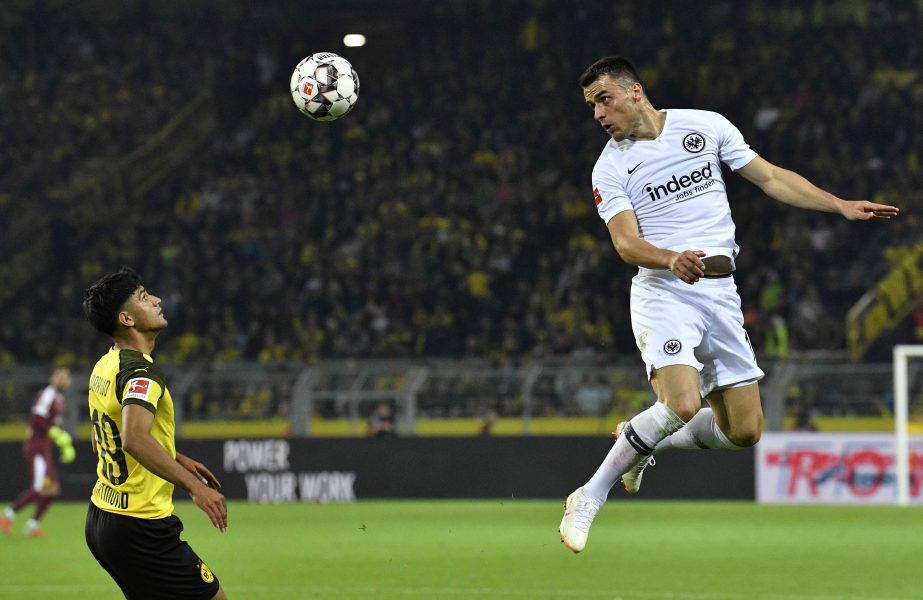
(487, 424)
(771, 336)
(917, 317)
(381, 421)
(804, 421)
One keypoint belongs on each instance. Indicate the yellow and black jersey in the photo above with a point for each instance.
(125, 486)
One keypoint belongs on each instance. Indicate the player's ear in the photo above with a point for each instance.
(125, 319)
(637, 91)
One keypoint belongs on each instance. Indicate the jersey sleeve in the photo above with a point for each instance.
(139, 382)
(142, 390)
(608, 193)
(732, 149)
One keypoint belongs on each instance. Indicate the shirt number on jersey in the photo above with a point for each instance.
(109, 446)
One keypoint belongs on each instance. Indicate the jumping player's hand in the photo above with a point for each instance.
(863, 210)
(212, 504)
(688, 265)
(199, 470)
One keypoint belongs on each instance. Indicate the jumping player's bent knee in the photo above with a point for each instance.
(744, 437)
(684, 406)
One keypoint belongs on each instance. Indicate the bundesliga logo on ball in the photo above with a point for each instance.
(325, 86)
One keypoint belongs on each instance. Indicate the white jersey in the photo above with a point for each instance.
(673, 183)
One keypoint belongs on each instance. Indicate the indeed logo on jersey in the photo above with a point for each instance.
(699, 180)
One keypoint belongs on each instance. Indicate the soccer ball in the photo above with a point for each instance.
(325, 86)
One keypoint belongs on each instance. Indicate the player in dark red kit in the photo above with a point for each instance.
(36, 449)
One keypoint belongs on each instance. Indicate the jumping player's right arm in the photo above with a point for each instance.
(138, 442)
(626, 237)
(615, 208)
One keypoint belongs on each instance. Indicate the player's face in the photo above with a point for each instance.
(614, 107)
(145, 309)
(61, 379)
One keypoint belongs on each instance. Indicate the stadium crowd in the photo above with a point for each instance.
(451, 213)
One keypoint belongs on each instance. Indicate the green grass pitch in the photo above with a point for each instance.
(510, 549)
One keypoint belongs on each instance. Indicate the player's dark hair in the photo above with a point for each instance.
(104, 299)
(616, 67)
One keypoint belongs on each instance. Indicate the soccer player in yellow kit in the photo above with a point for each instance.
(131, 529)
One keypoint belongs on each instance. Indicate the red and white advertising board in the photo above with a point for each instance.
(833, 468)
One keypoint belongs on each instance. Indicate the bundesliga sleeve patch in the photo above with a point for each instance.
(597, 197)
(139, 388)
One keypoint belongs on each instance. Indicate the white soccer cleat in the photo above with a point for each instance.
(579, 512)
(631, 479)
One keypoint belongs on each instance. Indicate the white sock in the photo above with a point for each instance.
(638, 439)
(700, 433)
(31, 525)
(9, 513)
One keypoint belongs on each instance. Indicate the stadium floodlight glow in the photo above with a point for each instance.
(354, 40)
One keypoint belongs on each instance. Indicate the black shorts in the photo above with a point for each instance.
(147, 559)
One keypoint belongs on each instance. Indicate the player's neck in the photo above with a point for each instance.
(140, 342)
(650, 124)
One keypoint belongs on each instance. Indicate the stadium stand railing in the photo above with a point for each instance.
(336, 398)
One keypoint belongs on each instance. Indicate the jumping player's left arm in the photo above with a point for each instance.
(791, 188)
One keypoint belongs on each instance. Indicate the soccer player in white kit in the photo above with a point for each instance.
(658, 187)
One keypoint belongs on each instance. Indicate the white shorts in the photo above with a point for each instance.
(699, 325)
